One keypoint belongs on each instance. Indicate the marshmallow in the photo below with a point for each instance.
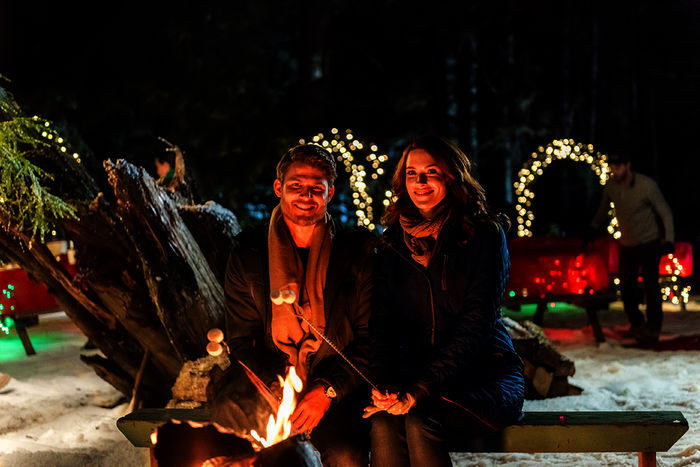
(288, 296)
(214, 349)
(215, 335)
(276, 297)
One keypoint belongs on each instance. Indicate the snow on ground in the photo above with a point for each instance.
(56, 411)
(51, 412)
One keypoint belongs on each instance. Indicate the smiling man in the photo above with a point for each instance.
(329, 271)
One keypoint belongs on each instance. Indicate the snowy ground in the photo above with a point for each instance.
(56, 412)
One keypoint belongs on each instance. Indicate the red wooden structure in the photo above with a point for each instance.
(558, 269)
(23, 299)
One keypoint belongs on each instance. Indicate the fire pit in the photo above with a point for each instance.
(174, 442)
(234, 433)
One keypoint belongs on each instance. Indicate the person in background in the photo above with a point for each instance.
(329, 269)
(646, 232)
(439, 346)
(165, 167)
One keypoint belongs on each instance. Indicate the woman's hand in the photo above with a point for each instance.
(405, 403)
(391, 402)
(384, 400)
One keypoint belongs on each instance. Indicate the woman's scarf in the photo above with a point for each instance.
(420, 234)
(289, 332)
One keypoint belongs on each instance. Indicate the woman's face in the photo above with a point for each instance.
(426, 181)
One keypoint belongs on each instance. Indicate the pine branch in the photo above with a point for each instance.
(24, 200)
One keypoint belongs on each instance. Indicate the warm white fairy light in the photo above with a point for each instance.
(54, 138)
(344, 147)
(677, 293)
(565, 149)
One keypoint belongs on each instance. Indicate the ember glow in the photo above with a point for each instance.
(279, 428)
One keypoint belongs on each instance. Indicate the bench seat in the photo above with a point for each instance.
(645, 433)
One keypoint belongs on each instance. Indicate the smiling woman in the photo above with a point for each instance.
(440, 347)
(426, 181)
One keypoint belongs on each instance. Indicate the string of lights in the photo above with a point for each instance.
(5, 321)
(55, 138)
(349, 151)
(565, 149)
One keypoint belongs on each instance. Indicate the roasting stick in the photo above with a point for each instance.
(288, 296)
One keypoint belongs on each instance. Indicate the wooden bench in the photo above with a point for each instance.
(645, 433)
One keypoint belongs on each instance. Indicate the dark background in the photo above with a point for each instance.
(236, 83)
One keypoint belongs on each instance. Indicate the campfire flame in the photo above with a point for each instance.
(279, 428)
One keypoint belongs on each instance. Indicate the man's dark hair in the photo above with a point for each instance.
(311, 154)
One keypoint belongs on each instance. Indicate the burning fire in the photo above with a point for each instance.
(280, 428)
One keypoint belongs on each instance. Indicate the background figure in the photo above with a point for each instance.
(165, 167)
(646, 228)
(439, 344)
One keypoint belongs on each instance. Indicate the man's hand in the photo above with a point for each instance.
(311, 409)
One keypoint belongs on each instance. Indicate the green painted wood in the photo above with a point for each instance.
(649, 431)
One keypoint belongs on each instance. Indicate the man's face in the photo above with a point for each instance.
(304, 194)
(162, 168)
(620, 172)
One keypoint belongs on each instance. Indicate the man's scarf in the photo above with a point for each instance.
(420, 234)
(290, 333)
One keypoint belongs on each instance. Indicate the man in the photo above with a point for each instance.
(646, 228)
(329, 272)
(165, 167)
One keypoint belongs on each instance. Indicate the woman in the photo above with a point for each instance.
(438, 340)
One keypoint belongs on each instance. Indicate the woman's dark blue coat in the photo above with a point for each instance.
(440, 327)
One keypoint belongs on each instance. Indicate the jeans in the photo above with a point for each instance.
(419, 438)
(341, 436)
(646, 257)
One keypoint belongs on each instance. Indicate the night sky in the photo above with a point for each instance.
(237, 83)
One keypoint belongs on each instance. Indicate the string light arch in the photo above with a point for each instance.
(565, 149)
(349, 150)
(568, 149)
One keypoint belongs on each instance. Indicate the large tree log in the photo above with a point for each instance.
(187, 296)
(142, 280)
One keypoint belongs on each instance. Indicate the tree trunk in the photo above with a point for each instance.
(143, 282)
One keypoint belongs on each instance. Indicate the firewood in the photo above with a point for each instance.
(545, 369)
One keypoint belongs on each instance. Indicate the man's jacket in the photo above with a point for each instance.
(347, 302)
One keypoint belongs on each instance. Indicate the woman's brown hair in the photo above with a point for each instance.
(464, 192)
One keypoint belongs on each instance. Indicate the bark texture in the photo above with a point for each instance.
(149, 273)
